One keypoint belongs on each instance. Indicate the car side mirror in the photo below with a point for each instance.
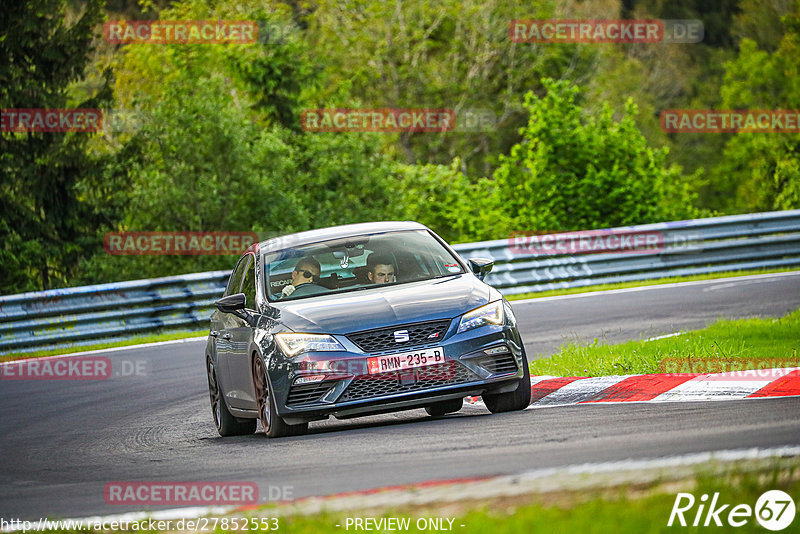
(231, 303)
(481, 267)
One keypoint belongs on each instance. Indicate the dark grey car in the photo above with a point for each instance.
(349, 338)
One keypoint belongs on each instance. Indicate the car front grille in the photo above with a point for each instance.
(384, 338)
(504, 363)
(308, 393)
(422, 378)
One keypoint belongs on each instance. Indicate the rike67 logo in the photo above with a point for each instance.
(774, 510)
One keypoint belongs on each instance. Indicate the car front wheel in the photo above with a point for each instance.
(226, 423)
(519, 399)
(274, 425)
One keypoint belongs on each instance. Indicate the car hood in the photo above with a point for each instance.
(442, 298)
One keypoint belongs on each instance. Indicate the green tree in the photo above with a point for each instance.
(449, 54)
(679, 76)
(573, 171)
(441, 197)
(47, 225)
(220, 146)
(761, 170)
(760, 21)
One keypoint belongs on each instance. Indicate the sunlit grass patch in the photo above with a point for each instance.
(757, 341)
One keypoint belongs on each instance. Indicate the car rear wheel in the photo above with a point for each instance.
(519, 399)
(274, 425)
(226, 423)
(445, 407)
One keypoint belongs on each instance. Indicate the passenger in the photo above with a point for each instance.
(380, 269)
(306, 271)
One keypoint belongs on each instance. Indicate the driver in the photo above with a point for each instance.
(380, 269)
(306, 271)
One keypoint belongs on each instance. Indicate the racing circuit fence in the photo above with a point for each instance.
(111, 312)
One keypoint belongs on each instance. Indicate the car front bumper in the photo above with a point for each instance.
(489, 359)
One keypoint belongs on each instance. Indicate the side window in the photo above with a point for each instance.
(235, 282)
(249, 287)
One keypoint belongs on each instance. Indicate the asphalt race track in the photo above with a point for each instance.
(62, 441)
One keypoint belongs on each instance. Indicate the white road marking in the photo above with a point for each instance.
(665, 336)
(723, 386)
(732, 284)
(728, 455)
(578, 391)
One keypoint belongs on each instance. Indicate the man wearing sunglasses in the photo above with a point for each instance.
(306, 271)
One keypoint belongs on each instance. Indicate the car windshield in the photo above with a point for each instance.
(355, 263)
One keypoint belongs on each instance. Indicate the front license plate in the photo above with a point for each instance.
(405, 360)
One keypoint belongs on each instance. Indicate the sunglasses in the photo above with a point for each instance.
(307, 274)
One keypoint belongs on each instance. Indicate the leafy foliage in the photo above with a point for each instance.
(576, 172)
(447, 201)
(761, 171)
(449, 54)
(46, 226)
(220, 148)
(216, 142)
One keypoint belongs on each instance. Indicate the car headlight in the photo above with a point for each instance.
(294, 344)
(492, 313)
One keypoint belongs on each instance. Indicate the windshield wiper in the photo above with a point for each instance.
(444, 276)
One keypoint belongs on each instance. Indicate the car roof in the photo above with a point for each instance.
(335, 232)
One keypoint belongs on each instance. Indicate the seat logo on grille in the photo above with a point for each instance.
(401, 336)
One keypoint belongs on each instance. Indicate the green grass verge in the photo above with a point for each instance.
(636, 509)
(723, 346)
(137, 340)
(620, 510)
(658, 281)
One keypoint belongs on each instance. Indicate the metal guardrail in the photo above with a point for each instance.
(108, 312)
(111, 312)
(697, 246)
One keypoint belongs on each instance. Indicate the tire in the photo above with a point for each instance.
(226, 423)
(274, 426)
(518, 399)
(445, 407)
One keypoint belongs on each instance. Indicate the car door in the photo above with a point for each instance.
(241, 388)
(227, 324)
